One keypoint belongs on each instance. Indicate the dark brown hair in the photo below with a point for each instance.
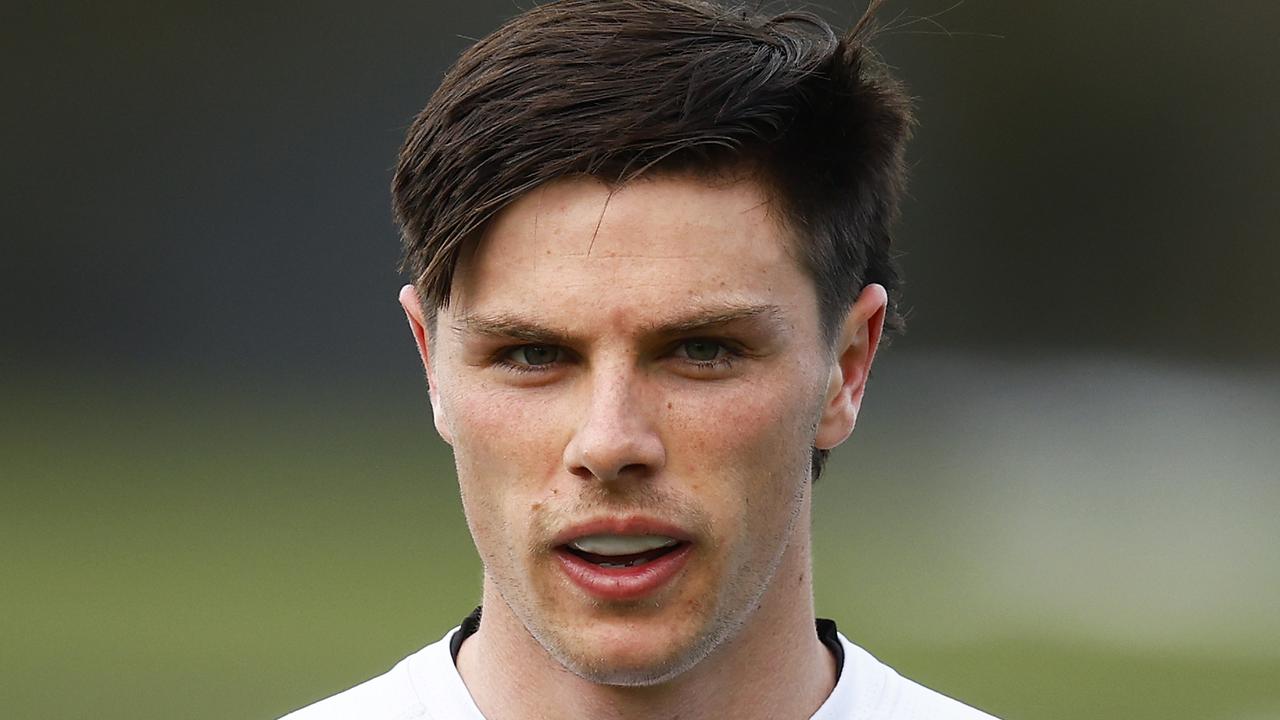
(615, 89)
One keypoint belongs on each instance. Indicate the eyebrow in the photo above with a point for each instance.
(714, 317)
(524, 329)
(510, 327)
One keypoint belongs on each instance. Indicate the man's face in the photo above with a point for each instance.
(632, 384)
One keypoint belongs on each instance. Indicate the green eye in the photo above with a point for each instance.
(702, 350)
(535, 354)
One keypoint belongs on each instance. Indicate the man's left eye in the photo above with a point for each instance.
(702, 350)
(534, 355)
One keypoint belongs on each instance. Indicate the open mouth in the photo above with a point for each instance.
(624, 564)
(622, 551)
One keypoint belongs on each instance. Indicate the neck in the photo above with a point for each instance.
(511, 676)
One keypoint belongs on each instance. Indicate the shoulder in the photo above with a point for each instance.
(926, 704)
(389, 696)
(876, 692)
(404, 692)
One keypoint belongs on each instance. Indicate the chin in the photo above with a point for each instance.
(630, 670)
(633, 657)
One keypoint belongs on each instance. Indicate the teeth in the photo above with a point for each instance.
(621, 544)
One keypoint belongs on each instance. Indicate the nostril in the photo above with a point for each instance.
(602, 473)
(632, 469)
(582, 471)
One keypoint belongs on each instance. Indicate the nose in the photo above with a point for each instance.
(616, 439)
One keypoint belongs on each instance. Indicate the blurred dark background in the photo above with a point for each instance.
(205, 185)
(220, 491)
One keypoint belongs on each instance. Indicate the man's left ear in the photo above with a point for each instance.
(855, 349)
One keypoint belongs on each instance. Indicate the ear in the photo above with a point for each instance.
(421, 336)
(854, 351)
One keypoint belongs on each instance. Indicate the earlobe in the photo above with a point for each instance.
(854, 352)
(422, 338)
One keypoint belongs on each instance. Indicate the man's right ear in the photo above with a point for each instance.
(418, 326)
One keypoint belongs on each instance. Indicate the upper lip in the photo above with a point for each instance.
(621, 525)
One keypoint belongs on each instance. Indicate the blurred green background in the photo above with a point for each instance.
(220, 494)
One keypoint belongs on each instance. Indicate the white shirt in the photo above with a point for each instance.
(426, 686)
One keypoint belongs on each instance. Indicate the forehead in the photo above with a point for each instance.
(669, 240)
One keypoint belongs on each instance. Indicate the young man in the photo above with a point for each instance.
(650, 250)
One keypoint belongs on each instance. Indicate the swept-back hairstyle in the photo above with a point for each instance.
(616, 89)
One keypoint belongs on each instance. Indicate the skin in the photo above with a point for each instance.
(653, 351)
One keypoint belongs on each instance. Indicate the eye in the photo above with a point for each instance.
(702, 351)
(533, 356)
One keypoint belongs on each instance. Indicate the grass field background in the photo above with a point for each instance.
(1046, 539)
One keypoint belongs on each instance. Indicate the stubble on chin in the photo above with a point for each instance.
(554, 612)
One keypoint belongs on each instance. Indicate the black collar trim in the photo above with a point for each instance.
(826, 633)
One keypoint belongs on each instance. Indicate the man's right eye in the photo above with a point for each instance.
(532, 356)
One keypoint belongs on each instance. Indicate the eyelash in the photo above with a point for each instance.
(726, 360)
(502, 359)
(731, 355)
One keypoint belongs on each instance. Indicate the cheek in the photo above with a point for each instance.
(507, 451)
(759, 434)
(745, 456)
(505, 435)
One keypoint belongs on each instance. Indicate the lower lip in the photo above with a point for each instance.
(624, 583)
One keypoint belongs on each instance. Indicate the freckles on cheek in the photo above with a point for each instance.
(503, 452)
(506, 437)
(751, 429)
